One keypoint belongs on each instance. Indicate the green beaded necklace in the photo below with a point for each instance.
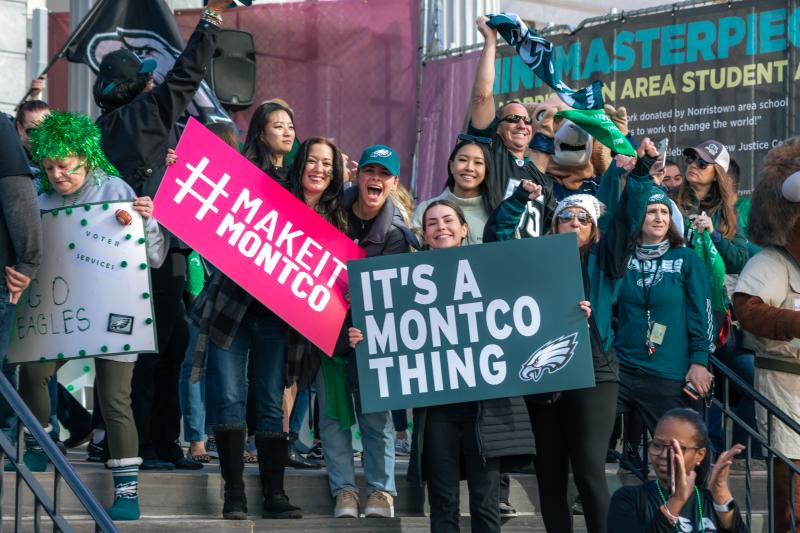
(699, 505)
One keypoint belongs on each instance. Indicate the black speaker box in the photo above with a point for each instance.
(233, 69)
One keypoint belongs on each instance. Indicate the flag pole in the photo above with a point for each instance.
(62, 51)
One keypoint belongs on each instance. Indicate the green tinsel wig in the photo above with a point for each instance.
(61, 135)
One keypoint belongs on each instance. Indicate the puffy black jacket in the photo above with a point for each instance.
(504, 431)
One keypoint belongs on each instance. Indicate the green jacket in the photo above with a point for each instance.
(742, 206)
(678, 297)
(605, 262)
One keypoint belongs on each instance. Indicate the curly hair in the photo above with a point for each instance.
(61, 135)
(772, 217)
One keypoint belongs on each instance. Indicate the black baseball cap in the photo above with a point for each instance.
(120, 66)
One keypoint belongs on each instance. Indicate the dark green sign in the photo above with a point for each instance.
(472, 323)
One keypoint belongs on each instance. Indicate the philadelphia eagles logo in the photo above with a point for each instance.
(551, 357)
(532, 52)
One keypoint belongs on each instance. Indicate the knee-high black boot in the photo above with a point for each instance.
(230, 445)
(272, 457)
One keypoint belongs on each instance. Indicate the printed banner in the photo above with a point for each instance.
(727, 72)
(91, 296)
(257, 233)
(470, 323)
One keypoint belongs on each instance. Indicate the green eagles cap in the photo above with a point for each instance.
(380, 154)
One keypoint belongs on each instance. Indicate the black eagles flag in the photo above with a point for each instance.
(146, 27)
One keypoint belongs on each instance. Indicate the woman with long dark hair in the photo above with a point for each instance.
(270, 137)
(707, 198)
(468, 185)
(694, 505)
(243, 329)
(316, 177)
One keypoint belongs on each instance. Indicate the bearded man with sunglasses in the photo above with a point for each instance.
(509, 131)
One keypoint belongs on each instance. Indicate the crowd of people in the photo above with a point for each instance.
(656, 305)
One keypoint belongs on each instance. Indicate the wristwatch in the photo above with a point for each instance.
(724, 507)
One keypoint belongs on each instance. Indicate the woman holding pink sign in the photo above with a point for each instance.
(237, 326)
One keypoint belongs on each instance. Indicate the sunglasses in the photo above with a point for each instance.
(514, 119)
(474, 138)
(702, 164)
(567, 216)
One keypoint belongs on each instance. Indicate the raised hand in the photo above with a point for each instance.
(489, 34)
(534, 189)
(619, 116)
(684, 483)
(218, 6)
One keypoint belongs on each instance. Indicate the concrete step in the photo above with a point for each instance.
(407, 524)
(190, 500)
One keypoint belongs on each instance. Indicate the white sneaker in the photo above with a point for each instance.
(402, 447)
(380, 505)
(346, 505)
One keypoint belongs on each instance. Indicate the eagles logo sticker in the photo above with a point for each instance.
(551, 357)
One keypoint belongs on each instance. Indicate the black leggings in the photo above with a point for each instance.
(574, 430)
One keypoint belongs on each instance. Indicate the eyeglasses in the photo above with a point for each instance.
(657, 447)
(474, 138)
(514, 119)
(567, 216)
(701, 163)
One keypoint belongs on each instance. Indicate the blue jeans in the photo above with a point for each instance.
(52, 390)
(377, 438)
(265, 335)
(299, 411)
(8, 420)
(192, 395)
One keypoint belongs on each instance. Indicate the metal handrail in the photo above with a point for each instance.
(773, 413)
(731, 418)
(62, 470)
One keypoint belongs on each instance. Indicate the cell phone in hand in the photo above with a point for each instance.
(671, 468)
(663, 144)
(690, 391)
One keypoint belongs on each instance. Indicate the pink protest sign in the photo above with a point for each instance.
(256, 232)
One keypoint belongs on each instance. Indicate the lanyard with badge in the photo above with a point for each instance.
(655, 331)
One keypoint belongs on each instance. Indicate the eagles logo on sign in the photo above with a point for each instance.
(551, 357)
